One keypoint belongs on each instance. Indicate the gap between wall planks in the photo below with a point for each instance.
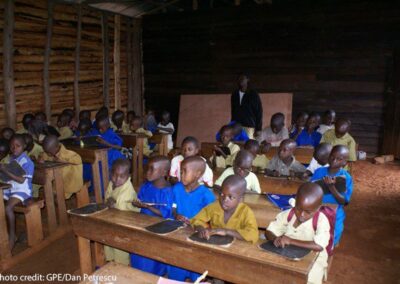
(46, 80)
(137, 67)
(117, 61)
(106, 77)
(129, 63)
(77, 61)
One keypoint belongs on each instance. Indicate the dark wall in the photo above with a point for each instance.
(336, 56)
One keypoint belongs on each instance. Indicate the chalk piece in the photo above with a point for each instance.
(213, 240)
(89, 209)
(290, 251)
(165, 227)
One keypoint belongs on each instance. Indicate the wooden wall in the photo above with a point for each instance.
(333, 56)
(29, 45)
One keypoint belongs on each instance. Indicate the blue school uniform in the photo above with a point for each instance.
(151, 194)
(329, 198)
(113, 154)
(306, 139)
(188, 204)
(242, 136)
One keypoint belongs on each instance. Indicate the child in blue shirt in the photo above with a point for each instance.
(189, 197)
(238, 133)
(337, 160)
(21, 186)
(309, 136)
(155, 190)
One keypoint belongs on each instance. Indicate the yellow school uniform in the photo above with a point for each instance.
(242, 220)
(347, 140)
(305, 232)
(123, 196)
(261, 161)
(124, 127)
(5, 160)
(222, 162)
(21, 131)
(36, 151)
(252, 182)
(72, 174)
(146, 148)
(65, 133)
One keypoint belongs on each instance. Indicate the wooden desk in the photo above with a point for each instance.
(135, 141)
(240, 263)
(278, 185)
(5, 252)
(94, 155)
(302, 154)
(49, 175)
(161, 140)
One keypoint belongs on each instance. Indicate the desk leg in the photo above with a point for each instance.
(85, 257)
(59, 185)
(135, 176)
(51, 211)
(140, 161)
(104, 169)
(99, 254)
(5, 252)
(96, 181)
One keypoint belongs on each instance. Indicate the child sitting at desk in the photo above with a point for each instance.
(340, 136)
(298, 126)
(309, 136)
(63, 126)
(4, 151)
(224, 153)
(7, 133)
(276, 132)
(320, 159)
(260, 161)
(239, 134)
(118, 122)
(241, 167)
(337, 160)
(189, 197)
(85, 114)
(190, 147)
(298, 229)
(328, 121)
(21, 186)
(157, 191)
(120, 195)
(229, 216)
(136, 127)
(284, 163)
(32, 148)
(26, 122)
(166, 127)
(71, 173)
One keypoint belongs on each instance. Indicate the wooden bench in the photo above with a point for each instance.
(33, 220)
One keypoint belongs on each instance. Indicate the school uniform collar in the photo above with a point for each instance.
(221, 213)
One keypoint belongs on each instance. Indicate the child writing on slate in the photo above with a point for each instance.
(156, 190)
(298, 229)
(189, 197)
(229, 216)
(241, 167)
(63, 128)
(190, 147)
(21, 186)
(120, 195)
(337, 160)
(320, 159)
(260, 161)
(220, 158)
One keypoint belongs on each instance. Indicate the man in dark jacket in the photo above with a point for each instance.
(246, 107)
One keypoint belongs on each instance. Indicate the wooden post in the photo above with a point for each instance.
(106, 69)
(117, 62)
(129, 63)
(46, 80)
(195, 5)
(8, 70)
(137, 66)
(77, 61)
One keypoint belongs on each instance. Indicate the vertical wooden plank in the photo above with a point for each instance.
(46, 80)
(137, 66)
(8, 70)
(106, 68)
(77, 61)
(4, 243)
(195, 5)
(85, 256)
(129, 63)
(49, 199)
(60, 196)
(117, 61)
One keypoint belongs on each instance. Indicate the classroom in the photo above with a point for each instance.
(199, 141)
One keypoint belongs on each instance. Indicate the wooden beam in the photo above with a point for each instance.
(117, 62)
(46, 80)
(137, 67)
(106, 68)
(156, 9)
(129, 62)
(77, 61)
(8, 70)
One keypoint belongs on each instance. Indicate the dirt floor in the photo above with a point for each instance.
(368, 253)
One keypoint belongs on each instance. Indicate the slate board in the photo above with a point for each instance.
(213, 240)
(49, 164)
(165, 227)
(290, 251)
(14, 168)
(91, 208)
(340, 184)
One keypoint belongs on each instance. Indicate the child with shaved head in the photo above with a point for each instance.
(229, 216)
(320, 158)
(63, 126)
(136, 127)
(337, 161)
(260, 161)
(189, 197)
(298, 229)
(276, 132)
(225, 152)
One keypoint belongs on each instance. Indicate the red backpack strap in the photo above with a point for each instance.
(315, 221)
(290, 215)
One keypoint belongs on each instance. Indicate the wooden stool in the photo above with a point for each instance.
(33, 220)
(82, 196)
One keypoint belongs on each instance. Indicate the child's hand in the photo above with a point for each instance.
(220, 232)
(276, 173)
(282, 241)
(182, 219)
(139, 204)
(330, 180)
(292, 174)
(204, 233)
(110, 202)
(218, 149)
(101, 140)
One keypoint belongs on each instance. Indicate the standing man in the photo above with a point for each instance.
(246, 107)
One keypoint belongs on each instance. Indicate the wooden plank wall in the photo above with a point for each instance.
(328, 57)
(2, 109)
(29, 44)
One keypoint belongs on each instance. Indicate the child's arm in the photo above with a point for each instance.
(283, 241)
(330, 181)
(219, 150)
(104, 142)
(139, 204)
(166, 129)
(180, 217)
(19, 179)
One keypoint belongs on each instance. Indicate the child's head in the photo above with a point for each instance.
(243, 82)
(103, 111)
(329, 117)
(226, 134)
(29, 142)
(118, 118)
(277, 122)
(242, 164)
(4, 148)
(308, 201)
(130, 115)
(342, 126)
(192, 169)
(51, 145)
(70, 112)
(7, 133)
(120, 172)
(165, 117)
(233, 189)
(252, 146)
(236, 128)
(136, 123)
(17, 145)
(85, 114)
(41, 116)
(322, 152)
(103, 123)
(312, 121)
(338, 157)
(301, 120)
(63, 120)
(26, 120)
(286, 149)
(84, 126)
(158, 167)
(190, 147)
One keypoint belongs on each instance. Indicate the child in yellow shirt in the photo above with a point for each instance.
(136, 127)
(260, 161)
(220, 158)
(63, 126)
